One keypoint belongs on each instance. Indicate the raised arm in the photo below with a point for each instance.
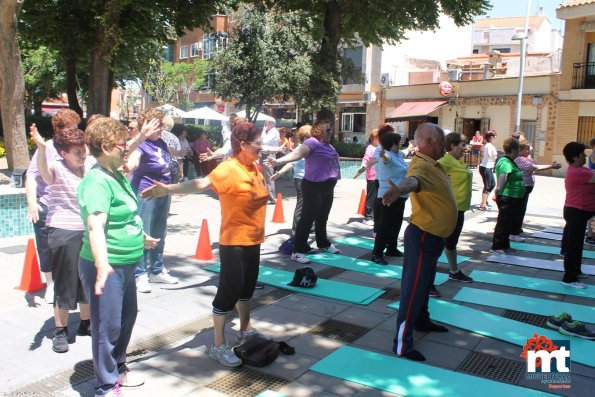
(407, 185)
(192, 186)
(43, 165)
(282, 171)
(297, 154)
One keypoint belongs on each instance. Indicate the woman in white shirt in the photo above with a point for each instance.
(486, 168)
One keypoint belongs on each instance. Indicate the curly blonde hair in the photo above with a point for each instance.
(148, 116)
(104, 131)
(65, 118)
(304, 132)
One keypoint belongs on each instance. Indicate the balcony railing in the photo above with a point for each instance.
(583, 75)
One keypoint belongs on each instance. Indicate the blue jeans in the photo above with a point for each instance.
(153, 212)
(113, 315)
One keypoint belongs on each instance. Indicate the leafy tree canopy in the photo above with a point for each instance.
(266, 59)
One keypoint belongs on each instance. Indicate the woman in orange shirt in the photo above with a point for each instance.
(243, 197)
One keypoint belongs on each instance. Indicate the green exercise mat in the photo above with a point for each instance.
(504, 329)
(410, 378)
(547, 249)
(338, 290)
(367, 243)
(364, 266)
(532, 283)
(527, 304)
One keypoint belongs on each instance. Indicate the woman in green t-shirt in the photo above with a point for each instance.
(510, 190)
(113, 244)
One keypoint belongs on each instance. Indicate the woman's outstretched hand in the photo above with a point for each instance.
(157, 190)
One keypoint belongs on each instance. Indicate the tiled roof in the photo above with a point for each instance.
(534, 21)
(574, 3)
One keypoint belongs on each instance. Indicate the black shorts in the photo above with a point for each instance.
(239, 272)
(452, 240)
(65, 249)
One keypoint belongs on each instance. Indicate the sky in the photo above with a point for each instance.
(514, 8)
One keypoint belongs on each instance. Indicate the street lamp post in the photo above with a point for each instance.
(522, 38)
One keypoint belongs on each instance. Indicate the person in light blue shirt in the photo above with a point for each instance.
(391, 166)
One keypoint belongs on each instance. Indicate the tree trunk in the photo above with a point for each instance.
(71, 85)
(101, 78)
(327, 56)
(12, 87)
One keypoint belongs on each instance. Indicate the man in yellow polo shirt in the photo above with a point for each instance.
(433, 218)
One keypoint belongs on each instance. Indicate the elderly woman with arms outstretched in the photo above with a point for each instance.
(243, 197)
(320, 177)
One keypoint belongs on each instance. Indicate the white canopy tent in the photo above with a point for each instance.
(171, 110)
(205, 113)
(261, 116)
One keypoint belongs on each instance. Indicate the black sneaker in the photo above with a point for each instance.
(379, 259)
(60, 340)
(578, 329)
(84, 328)
(259, 285)
(395, 252)
(459, 276)
(434, 293)
(556, 322)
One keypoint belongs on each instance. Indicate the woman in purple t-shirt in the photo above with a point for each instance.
(149, 162)
(318, 185)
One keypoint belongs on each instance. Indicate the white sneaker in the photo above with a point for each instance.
(299, 257)
(129, 378)
(516, 238)
(575, 284)
(115, 392)
(331, 249)
(368, 222)
(225, 356)
(163, 278)
(49, 293)
(142, 284)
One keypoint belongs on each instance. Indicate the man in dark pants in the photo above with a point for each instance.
(433, 218)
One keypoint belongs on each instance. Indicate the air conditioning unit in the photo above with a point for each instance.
(369, 97)
(385, 80)
(454, 75)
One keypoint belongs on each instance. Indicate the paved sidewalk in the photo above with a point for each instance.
(172, 333)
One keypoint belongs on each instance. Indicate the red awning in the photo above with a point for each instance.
(415, 109)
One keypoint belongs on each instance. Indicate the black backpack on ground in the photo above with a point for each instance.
(260, 352)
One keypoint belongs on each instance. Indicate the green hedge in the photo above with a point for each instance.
(353, 150)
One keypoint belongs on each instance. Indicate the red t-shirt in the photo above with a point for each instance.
(580, 194)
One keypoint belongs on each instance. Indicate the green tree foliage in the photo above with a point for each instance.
(336, 23)
(44, 76)
(266, 59)
(193, 74)
(110, 39)
(162, 80)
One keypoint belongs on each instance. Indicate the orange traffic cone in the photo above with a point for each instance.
(31, 278)
(278, 213)
(361, 209)
(203, 249)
